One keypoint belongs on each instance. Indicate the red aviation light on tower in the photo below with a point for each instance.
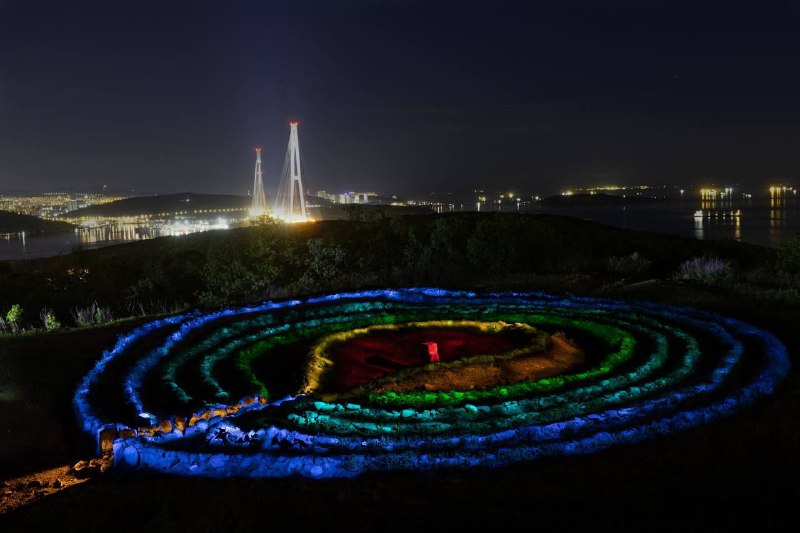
(294, 122)
(258, 148)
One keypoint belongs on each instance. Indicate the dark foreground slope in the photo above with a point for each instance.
(739, 473)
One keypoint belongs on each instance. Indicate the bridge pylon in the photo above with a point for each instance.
(259, 206)
(290, 200)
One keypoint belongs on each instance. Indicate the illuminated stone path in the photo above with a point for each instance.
(192, 394)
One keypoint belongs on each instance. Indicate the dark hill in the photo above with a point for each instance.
(16, 223)
(188, 203)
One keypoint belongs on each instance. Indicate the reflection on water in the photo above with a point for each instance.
(779, 209)
(22, 246)
(698, 228)
(760, 221)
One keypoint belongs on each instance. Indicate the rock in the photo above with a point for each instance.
(92, 469)
(179, 423)
(218, 460)
(57, 484)
(127, 433)
(35, 484)
(131, 456)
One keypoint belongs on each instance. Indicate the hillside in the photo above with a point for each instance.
(253, 263)
(165, 203)
(16, 223)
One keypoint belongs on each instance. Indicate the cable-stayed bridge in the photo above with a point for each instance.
(290, 202)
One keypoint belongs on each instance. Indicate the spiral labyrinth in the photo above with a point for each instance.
(339, 385)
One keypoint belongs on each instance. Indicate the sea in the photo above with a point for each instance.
(763, 221)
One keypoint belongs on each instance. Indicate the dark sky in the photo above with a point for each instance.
(399, 97)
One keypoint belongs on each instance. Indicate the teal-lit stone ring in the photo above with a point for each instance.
(194, 394)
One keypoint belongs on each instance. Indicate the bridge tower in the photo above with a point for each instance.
(259, 206)
(290, 201)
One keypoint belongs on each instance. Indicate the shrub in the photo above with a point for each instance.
(628, 264)
(92, 315)
(83, 316)
(789, 256)
(102, 315)
(13, 318)
(49, 320)
(705, 269)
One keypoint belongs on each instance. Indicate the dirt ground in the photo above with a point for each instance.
(559, 357)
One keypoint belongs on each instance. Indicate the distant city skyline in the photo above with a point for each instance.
(398, 97)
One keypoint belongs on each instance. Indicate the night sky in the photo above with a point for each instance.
(402, 97)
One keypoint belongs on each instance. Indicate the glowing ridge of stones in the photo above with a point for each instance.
(655, 370)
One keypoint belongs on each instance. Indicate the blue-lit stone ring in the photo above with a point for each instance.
(188, 394)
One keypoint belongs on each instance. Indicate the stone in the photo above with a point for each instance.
(218, 460)
(180, 423)
(131, 456)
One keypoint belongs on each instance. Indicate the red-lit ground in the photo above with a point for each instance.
(363, 359)
(560, 356)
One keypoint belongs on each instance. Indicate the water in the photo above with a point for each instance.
(764, 221)
(20, 246)
(760, 221)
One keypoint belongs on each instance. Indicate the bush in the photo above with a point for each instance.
(92, 315)
(49, 320)
(789, 256)
(13, 318)
(628, 264)
(705, 269)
